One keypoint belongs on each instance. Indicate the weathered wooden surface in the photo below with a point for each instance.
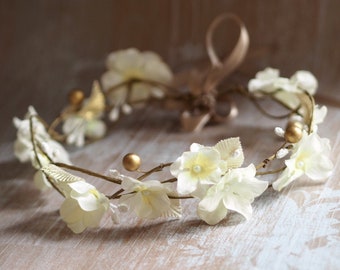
(47, 48)
(296, 229)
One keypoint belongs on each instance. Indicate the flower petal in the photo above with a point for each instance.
(41, 182)
(77, 227)
(92, 219)
(305, 80)
(211, 201)
(69, 211)
(95, 129)
(87, 202)
(212, 217)
(286, 177)
(319, 167)
(81, 187)
(185, 184)
(238, 204)
(111, 78)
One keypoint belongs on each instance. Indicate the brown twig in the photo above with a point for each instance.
(88, 172)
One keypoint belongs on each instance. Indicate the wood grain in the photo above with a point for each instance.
(46, 48)
(296, 229)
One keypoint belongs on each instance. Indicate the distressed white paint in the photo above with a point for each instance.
(296, 229)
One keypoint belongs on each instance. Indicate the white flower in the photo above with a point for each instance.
(235, 191)
(149, 199)
(77, 128)
(83, 207)
(283, 89)
(131, 64)
(198, 167)
(305, 80)
(203, 165)
(264, 80)
(319, 115)
(269, 80)
(45, 145)
(310, 156)
(23, 147)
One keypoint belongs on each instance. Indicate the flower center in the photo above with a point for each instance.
(146, 192)
(300, 164)
(196, 168)
(236, 153)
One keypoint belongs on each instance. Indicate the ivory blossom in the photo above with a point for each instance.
(47, 149)
(131, 64)
(268, 81)
(203, 165)
(235, 191)
(148, 199)
(83, 207)
(310, 156)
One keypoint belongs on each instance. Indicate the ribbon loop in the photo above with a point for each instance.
(207, 105)
(238, 53)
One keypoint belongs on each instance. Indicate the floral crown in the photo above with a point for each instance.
(211, 174)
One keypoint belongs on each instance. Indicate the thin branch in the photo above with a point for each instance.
(171, 180)
(264, 163)
(131, 82)
(115, 195)
(253, 99)
(36, 153)
(272, 172)
(33, 141)
(156, 169)
(180, 197)
(88, 172)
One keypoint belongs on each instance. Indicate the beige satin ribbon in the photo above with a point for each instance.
(216, 73)
(221, 69)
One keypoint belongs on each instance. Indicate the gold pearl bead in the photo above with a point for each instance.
(131, 162)
(294, 132)
(76, 97)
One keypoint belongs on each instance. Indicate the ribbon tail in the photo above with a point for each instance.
(194, 123)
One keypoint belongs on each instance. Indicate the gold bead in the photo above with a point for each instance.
(76, 97)
(294, 132)
(131, 162)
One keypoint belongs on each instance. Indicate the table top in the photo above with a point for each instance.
(298, 228)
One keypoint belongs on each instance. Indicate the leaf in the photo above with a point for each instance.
(59, 175)
(95, 105)
(231, 151)
(306, 108)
